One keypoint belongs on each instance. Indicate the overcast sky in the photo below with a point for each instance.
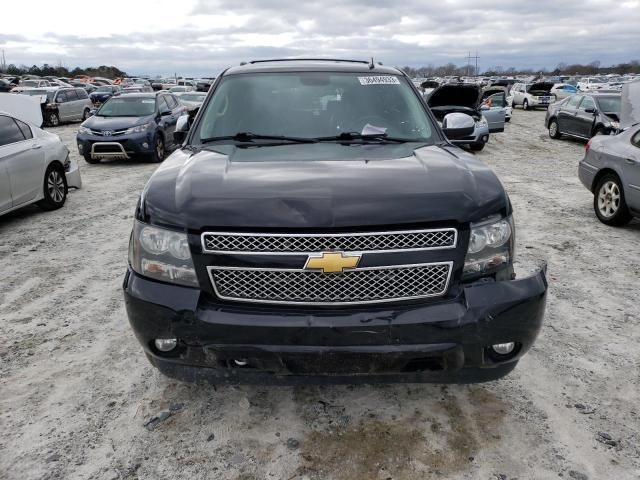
(201, 37)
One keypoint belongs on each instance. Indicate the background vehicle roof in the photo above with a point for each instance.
(311, 65)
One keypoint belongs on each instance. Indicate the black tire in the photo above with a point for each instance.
(609, 202)
(85, 114)
(513, 104)
(525, 104)
(477, 147)
(88, 159)
(53, 120)
(507, 119)
(554, 129)
(54, 188)
(159, 150)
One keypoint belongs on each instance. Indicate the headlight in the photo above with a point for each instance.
(481, 123)
(615, 125)
(138, 128)
(84, 130)
(162, 255)
(490, 247)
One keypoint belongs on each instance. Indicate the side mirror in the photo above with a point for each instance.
(484, 106)
(458, 125)
(165, 113)
(591, 110)
(182, 128)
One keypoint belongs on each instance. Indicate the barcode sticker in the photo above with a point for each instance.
(379, 80)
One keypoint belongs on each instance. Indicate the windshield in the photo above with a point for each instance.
(192, 97)
(314, 105)
(610, 104)
(128, 107)
(30, 83)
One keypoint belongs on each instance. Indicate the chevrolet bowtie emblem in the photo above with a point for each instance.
(332, 262)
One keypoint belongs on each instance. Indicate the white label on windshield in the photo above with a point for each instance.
(148, 101)
(380, 80)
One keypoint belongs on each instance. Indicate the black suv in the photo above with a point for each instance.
(317, 225)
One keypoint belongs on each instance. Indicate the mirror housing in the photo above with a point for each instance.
(165, 113)
(591, 110)
(182, 128)
(458, 125)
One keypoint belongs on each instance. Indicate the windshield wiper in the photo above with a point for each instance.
(250, 137)
(378, 137)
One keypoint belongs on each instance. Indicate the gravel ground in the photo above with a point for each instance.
(77, 391)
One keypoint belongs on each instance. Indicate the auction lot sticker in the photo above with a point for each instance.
(379, 80)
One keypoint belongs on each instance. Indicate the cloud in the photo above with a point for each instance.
(201, 37)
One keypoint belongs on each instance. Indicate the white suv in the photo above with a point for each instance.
(532, 95)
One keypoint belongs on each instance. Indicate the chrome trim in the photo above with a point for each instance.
(635, 187)
(210, 270)
(99, 155)
(359, 234)
(588, 165)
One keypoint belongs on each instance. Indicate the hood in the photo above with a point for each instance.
(459, 95)
(22, 107)
(98, 122)
(630, 111)
(540, 87)
(492, 90)
(320, 186)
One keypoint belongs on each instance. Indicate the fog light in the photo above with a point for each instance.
(166, 344)
(485, 139)
(145, 145)
(503, 348)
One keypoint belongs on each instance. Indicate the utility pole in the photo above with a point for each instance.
(3, 65)
(469, 57)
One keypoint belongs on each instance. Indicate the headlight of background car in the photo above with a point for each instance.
(84, 130)
(138, 128)
(490, 247)
(162, 255)
(481, 123)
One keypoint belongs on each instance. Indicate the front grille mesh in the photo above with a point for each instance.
(292, 243)
(309, 287)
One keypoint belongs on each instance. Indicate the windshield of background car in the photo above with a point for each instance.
(314, 104)
(192, 97)
(128, 107)
(610, 104)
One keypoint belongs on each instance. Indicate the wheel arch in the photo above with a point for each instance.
(601, 173)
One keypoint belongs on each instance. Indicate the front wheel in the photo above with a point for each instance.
(89, 159)
(609, 203)
(477, 147)
(554, 130)
(55, 188)
(159, 151)
(525, 105)
(85, 114)
(53, 119)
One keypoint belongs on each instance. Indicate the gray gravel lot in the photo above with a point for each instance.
(76, 391)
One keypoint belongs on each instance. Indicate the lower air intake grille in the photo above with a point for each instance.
(363, 285)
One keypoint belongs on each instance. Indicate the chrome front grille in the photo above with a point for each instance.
(262, 243)
(357, 286)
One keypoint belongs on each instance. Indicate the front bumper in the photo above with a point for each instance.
(72, 172)
(117, 146)
(480, 135)
(442, 341)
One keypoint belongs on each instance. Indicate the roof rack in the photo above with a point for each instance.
(306, 60)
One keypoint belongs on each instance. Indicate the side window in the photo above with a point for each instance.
(71, 96)
(82, 93)
(24, 128)
(574, 101)
(497, 100)
(162, 105)
(172, 101)
(61, 97)
(9, 131)
(587, 104)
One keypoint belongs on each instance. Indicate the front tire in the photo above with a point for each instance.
(53, 120)
(85, 114)
(609, 202)
(554, 129)
(477, 147)
(55, 188)
(159, 151)
(88, 159)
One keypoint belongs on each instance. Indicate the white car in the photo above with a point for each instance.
(589, 84)
(563, 90)
(532, 95)
(35, 166)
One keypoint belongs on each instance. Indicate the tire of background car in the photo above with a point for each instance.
(609, 203)
(476, 147)
(554, 129)
(54, 188)
(53, 119)
(507, 119)
(513, 104)
(525, 104)
(159, 151)
(85, 114)
(88, 159)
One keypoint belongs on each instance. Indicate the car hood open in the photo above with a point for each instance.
(540, 87)
(22, 107)
(320, 186)
(459, 95)
(630, 111)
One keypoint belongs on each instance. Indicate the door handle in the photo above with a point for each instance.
(36, 146)
(630, 161)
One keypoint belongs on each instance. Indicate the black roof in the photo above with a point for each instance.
(312, 65)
